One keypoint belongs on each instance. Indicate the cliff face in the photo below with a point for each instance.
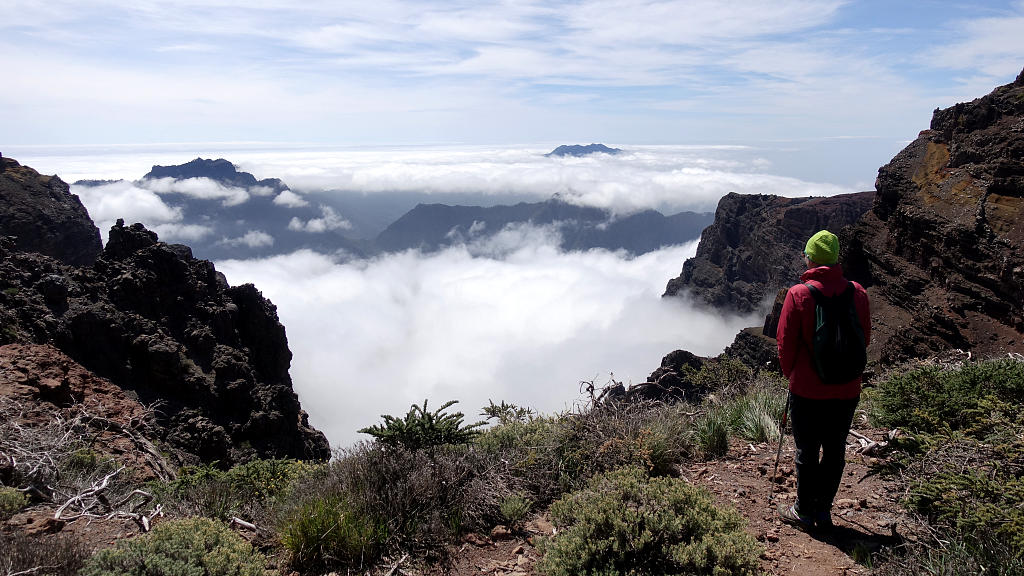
(942, 250)
(755, 246)
(43, 216)
(165, 326)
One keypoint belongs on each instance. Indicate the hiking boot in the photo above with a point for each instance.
(789, 515)
(823, 520)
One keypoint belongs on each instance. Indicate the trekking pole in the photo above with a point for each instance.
(778, 454)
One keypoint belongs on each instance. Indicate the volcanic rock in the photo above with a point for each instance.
(755, 247)
(942, 250)
(43, 216)
(167, 328)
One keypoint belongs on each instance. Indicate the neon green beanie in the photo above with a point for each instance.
(823, 248)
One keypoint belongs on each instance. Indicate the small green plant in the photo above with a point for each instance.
(506, 413)
(83, 459)
(756, 414)
(12, 501)
(712, 433)
(424, 429)
(327, 532)
(515, 507)
(626, 522)
(191, 546)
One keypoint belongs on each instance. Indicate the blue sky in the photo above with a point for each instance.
(409, 72)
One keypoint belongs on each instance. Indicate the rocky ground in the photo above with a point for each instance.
(866, 514)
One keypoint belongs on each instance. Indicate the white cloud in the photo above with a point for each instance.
(290, 199)
(373, 337)
(329, 220)
(261, 190)
(201, 188)
(670, 178)
(251, 239)
(109, 202)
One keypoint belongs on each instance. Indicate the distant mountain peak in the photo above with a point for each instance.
(581, 150)
(219, 170)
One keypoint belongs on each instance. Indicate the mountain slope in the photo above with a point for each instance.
(435, 226)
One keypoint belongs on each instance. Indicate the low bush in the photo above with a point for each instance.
(626, 522)
(963, 462)
(189, 546)
(11, 502)
(549, 456)
(975, 398)
(244, 490)
(755, 415)
(414, 501)
(953, 556)
(58, 555)
(515, 507)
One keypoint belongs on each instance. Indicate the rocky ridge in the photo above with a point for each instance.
(939, 247)
(165, 327)
(42, 215)
(755, 244)
(219, 170)
(942, 250)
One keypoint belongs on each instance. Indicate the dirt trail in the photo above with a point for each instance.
(866, 515)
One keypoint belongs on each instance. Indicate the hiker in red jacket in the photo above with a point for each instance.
(821, 412)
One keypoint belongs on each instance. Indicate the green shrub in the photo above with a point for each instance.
(240, 491)
(952, 557)
(11, 502)
(415, 501)
(327, 532)
(964, 459)
(515, 507)
(197, 546)
(422, 429)
(626, 522)
(974, 398)
(507, 413)
(57, 555)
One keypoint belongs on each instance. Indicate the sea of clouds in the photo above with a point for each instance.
(508, 319)
(512, 320)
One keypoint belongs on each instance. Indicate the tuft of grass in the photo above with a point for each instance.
(328, 532)
(712, 433)
(58, 555)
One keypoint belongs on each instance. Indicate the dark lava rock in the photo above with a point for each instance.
(942, 250)
(211, 359)
(755, 247)
(43, 216)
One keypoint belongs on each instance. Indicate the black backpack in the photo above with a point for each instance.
(838, 351)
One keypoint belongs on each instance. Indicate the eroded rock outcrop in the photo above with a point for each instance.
(754, 247)
(942, 250)
(42, 215)
(211, 358)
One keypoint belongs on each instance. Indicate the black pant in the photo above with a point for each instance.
(819, 425)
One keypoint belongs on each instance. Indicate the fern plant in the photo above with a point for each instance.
(424, 429)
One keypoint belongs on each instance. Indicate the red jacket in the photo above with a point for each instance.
(796, 330)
